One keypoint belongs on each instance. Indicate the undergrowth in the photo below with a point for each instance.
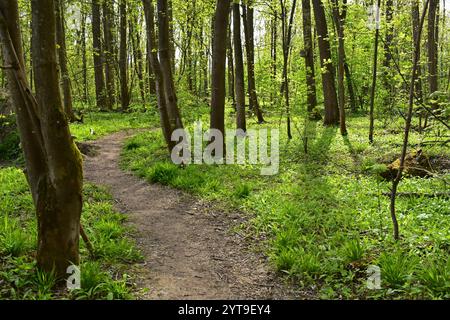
(105, 277)
(325, 214)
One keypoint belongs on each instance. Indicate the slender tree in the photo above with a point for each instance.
(397, 180)
(62, 58)
(239, 68)
(374, 73)
(100, 92)
(308, 53)
(230, 61)
(218, 91)
(110, 58)
(157, 72)
(432, 46)
(123, 56)
(415, 32)
(341, 64)
(287, 38)
(328, 77)
(248, 17)
(165, 56)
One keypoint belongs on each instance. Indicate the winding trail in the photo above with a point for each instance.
(189, 248)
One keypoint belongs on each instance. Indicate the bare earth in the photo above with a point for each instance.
(190, 249)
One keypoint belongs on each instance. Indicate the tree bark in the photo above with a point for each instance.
(239, 69)
(250, 50)
(218, 91)
(230, 60)
(100, 92)
(287, 37)
(85, 93)
(110, 74)
(374, 76)
(433, 47)
(329, 88)
(341, 65)
(53, 163)
(165, 53)
(415, 31)
(137, 54)
(123, 57)
(309, 56)
(156, 67)
(62, 58)
(397, 180)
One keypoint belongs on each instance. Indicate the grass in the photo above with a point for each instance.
(97, 125)
(324, 214)
(106, 277)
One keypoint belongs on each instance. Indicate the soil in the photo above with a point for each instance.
(191, 250)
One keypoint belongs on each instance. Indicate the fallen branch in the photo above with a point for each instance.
(419, 195)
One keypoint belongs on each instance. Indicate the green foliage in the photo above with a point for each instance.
(397, 268)
(353, 251)
(9, 139)
(44, 282)
(13, 240)
(242, 191)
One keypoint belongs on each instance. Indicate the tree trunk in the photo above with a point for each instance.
(329, 88)
(250, 50)
(309, 56)
(137, 53)
(54, 164)
(169, 12)
(397, 180)
(433, 47)
(274, 46)
(374, 75)
(85, 93)
(166, 65)
(156, 67)
(341, 65)
(110, 75)
(230, 59)
(239, 69)
(123, 57)
(149, 67)
(62, 57)
(218, 91)
(415, 31)
(287, 36)
(100, 92)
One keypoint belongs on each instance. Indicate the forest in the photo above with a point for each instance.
(224, 149)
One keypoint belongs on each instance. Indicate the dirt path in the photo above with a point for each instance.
(189, 249)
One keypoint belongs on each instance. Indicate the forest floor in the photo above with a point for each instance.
(191, 250)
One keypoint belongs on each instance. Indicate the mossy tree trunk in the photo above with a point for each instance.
(53, 162)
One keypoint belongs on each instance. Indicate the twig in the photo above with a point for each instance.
(87, 242)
